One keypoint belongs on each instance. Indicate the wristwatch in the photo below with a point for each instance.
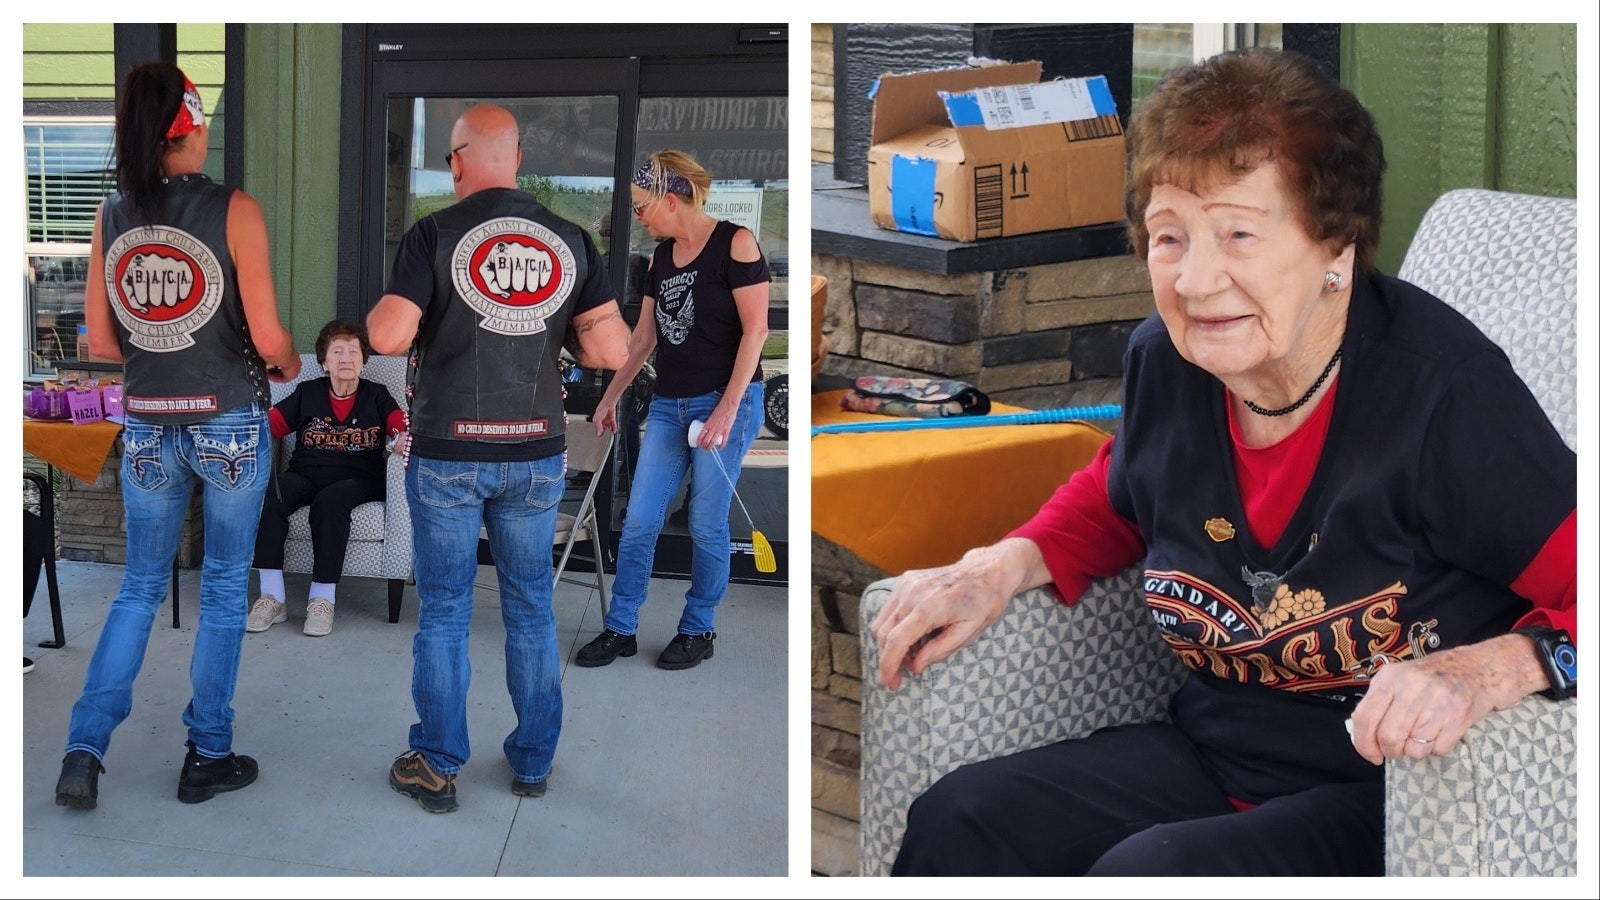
(1559, 658)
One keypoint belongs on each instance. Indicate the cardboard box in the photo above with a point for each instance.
(986, 150)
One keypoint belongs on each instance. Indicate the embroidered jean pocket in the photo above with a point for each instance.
(226, 456)
(447, 485)
(142, 464)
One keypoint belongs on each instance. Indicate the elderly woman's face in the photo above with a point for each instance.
(342, 360)
(1236, 277)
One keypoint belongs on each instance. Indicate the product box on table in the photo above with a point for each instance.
(987, 150)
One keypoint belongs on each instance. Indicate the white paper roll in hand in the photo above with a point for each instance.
(695, 428)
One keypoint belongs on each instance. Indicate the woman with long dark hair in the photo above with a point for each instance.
(181, 293)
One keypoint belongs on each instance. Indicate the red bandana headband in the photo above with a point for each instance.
(191, 115)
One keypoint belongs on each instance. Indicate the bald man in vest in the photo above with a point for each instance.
(484, 293)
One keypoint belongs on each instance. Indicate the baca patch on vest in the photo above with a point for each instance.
(166, 285)
(514, 272)
(922, 397)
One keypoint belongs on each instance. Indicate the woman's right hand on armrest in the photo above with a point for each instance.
(934, 612)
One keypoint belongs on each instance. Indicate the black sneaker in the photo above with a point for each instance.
(607, 646)
(79, 784)
(528, 788)
(686, 651)
(27, 665)
(411, 775)
(203, 777)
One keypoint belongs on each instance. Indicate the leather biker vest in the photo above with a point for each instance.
(507, 273)
(186, 348)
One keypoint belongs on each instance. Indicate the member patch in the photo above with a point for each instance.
(1219, 530)
(165, 285)
(514, 272)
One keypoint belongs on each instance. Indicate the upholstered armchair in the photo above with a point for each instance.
(1504, 803)
(380, 532)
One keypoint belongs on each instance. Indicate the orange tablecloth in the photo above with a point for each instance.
(913, 499)
(79, 450)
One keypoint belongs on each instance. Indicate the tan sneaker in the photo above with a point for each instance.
(266, 613)
(319, 617)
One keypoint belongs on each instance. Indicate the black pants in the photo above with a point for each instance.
(1134, 800)
(331, 504)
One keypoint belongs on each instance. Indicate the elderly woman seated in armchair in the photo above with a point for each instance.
(342, 425)
(1358, 526)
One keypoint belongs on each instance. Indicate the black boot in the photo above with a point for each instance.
(79, 784)
(203, 777)
(606, 646)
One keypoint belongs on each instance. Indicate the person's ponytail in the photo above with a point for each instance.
(151, 95)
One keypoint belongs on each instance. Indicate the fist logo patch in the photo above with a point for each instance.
(514, 272)
(165, 285)
(152, 280)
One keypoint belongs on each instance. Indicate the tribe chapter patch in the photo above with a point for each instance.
(514, 272)
(165, 285)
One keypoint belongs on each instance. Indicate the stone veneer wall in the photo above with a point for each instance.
(1041, 337)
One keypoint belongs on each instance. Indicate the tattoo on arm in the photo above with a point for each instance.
(586, 326)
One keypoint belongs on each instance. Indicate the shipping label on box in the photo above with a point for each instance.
(966, 154)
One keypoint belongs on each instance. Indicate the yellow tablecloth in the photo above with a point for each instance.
(79, 450)
(913, 499)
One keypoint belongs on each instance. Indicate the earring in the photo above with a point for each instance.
(1332, 283)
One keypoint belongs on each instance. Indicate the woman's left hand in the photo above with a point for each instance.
(714, 435)
(1420, 707)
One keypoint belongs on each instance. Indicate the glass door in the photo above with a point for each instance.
(592, 102)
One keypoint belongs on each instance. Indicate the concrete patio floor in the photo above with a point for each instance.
(658, 773)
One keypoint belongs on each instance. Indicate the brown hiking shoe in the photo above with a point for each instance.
(411, 775)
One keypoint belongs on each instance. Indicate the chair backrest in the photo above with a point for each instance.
(586, 460)
(1509, 262)
(586, 451)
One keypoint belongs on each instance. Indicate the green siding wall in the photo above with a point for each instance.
(74, 61)
(1465, 105)
(291, 163)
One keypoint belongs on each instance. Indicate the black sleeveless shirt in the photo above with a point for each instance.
(697, 323)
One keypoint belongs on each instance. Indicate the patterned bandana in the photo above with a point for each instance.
(191, 115)
(651, 179)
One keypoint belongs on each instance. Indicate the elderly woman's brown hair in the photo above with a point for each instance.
(1220, 119)
(339, 328)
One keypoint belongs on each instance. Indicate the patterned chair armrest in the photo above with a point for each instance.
(1504, 803)
(396, 521)
(1042, 673)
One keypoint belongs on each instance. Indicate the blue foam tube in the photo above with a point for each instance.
(1036, 417)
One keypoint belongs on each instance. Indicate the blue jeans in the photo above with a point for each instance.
(516, 503)
(664, 457)
(231, 455)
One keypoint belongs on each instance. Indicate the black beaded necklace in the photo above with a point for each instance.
(1326, 371)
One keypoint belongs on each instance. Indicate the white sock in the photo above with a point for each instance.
(272, 583)
(320, 591)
